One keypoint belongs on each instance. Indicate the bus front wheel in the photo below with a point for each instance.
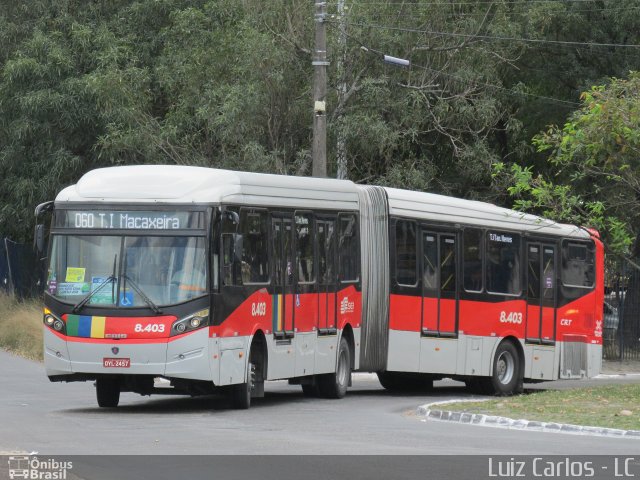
(241, 392)
(108, 392)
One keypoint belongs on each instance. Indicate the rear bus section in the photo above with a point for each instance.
(481, 294)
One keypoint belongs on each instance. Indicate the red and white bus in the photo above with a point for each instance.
(219, 280)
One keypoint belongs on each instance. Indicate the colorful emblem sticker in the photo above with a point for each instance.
(75, 275)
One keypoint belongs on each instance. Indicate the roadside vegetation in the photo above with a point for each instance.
(612, 406)
(21, 327)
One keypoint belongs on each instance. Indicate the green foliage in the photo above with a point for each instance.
(227, 83)
(595, 161)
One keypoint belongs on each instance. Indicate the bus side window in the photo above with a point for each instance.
(472, 266)
(254, 266)
(578, 265)
(230, 268)
(503, 263)
(349, 258)
(406, 253)
(304, 248)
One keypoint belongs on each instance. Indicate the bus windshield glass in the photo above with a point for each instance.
(119, 270)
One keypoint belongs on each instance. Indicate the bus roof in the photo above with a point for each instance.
(173, 184)
(444, 209)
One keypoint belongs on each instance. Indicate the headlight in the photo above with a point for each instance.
(192, 322)
(53, 322)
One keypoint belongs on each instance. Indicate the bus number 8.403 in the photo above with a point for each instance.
(152, 327)
(511, 317)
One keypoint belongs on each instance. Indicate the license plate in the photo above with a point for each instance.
(116, 362)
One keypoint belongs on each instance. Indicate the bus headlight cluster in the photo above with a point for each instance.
(192, 322)
(53, 322)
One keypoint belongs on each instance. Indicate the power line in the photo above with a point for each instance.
(488, 37)
(479, 2)
(498, 87)
(566, 103)
(482, 14)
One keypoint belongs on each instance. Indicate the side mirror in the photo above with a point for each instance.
(38, 239)
(44, 208)
(231, 216)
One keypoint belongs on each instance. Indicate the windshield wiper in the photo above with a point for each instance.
(111, 278)
(139, 291)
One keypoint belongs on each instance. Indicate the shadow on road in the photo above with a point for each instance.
(219, 403)
(283, 394)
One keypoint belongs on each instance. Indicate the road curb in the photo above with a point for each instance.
(429, 413)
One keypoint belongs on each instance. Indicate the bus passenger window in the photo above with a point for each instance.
(304, 248)
(406, 253)
(326, 251)
(447, 264)
(472, 267)
(578, 266)
(503, 263)
(230, 268)
(348, 250)
(253, 226)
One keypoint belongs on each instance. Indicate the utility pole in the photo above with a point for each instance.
(320, 63)
(341, 143)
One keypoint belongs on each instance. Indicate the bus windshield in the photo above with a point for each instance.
(121, 270)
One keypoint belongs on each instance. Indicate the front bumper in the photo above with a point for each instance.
(184, 356)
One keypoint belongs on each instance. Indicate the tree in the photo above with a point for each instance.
(595, 162)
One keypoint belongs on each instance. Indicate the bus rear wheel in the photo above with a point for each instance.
(507, 371)
(108, 392)
(334, 385)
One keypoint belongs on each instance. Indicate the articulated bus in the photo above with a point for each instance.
(217, 281)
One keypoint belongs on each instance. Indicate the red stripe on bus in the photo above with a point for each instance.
(120, 340)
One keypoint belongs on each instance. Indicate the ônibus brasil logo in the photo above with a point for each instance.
(33, 468)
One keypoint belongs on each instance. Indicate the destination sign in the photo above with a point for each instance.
(127, 220)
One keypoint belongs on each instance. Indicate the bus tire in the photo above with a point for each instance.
(334, 385)
(108, 392)
(241, 392)
(506, 378)
(405, 381)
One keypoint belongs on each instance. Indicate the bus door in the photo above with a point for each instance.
(541, 296)
(326, 237)
(439, 285)
(284, 288)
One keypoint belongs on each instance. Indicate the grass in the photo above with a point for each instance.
(21, 327)
(613, 406)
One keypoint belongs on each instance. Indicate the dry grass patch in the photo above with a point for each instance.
(613, 406)
(21, 327)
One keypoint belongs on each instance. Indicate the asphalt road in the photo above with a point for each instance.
(63, 419)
